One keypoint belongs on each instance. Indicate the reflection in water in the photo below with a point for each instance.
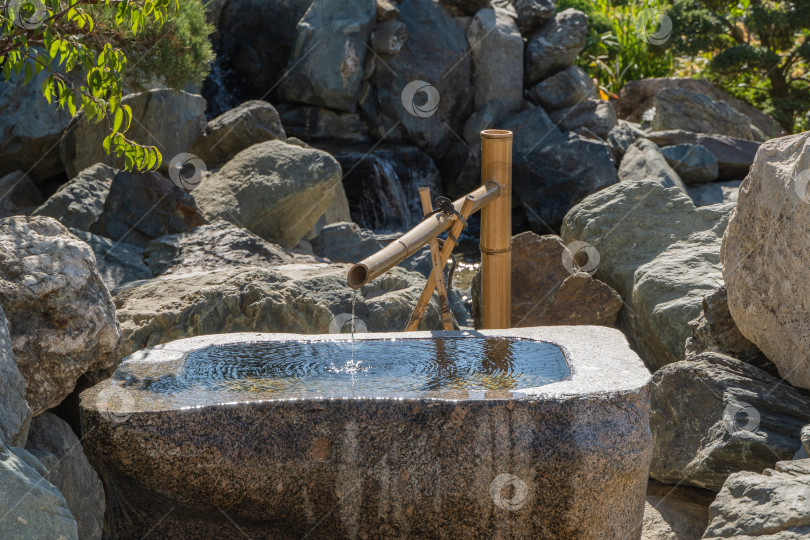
(389, 367)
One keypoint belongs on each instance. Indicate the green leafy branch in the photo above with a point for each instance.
(46, 35)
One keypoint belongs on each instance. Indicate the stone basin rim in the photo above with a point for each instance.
(599, 358)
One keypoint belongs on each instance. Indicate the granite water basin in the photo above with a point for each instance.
(540, 432)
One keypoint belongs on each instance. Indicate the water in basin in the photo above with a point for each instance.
(368, 368)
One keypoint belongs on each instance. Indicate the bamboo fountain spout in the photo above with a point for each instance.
(494, 199)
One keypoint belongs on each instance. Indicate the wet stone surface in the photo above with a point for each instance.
(567, 458)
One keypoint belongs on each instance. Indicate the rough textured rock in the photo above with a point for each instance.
(55, 445)
(622, 136)
(289, 298)
(577, 454)
(228, 134)
(274, 189)
(18, 195)
(563, 89)
(551, 170)
(497, 56)
(556, 45)
(171, 120)
(117, 262)
(315, 123)
(143, 206)
(734, 156)
(636, 97)
(532, 13)
(681, 109)
(774, 504)
(326, 63)
(765, 256)
(394, 174)
(588, 117)
(79, 203)
(60, 316)
(545, 292)
(15, 415)
(437, 54)
(389, 37)
(487, 117)
(386, 10)
(257, 64)
(675, 512)
(695, 164)
(212, 247)
(659, 252)
(30, 129)
(715, 331)
(713, 415)
(644, 161)
(30, 506)
(715, 193)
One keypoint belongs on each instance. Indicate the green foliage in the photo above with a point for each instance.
(760, 51)
(619, 48)
(53, 36)
(176, 54)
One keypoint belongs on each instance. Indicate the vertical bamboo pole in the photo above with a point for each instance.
(496, 230)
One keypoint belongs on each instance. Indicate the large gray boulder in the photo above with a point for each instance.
(564, 89)
(15, 415)
(556, 45)
(78, 204)
(589, 117)
(302, 298)
(659, 252)
(622, 136)
(171, 120)
(424, 90)
(497, 55)
(326, 64)
(18, 195)
(644, 161)
(274, 189)
(682, 109)
(765, 256)
(734, 156)
(231, 132)
(636, 97)
(715, 331)
(713, 415)
(553, 170)
(30, 129)
(117, 262)
(211, 247)
(774, 504)
(143, 206)
(30, 507)
(53, 443)
(546, 292)
(694, 163)
(531, 14)
(60, 315)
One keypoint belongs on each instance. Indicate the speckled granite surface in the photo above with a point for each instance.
(565, 460)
